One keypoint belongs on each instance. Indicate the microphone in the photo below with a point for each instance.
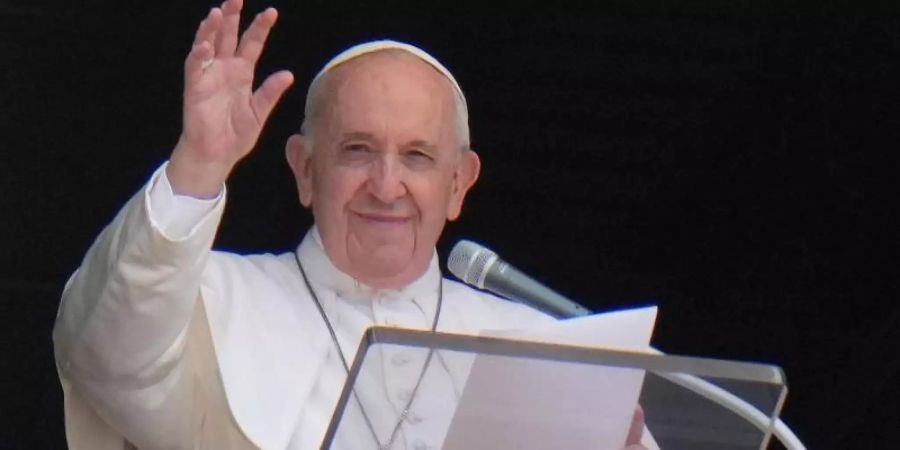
(477, 266)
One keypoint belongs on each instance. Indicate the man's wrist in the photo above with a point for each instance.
(197, 179)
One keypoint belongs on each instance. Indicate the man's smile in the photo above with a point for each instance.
(383, 219)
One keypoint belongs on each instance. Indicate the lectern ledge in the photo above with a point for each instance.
(422, 390)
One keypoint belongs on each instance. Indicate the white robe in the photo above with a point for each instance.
(162, 343)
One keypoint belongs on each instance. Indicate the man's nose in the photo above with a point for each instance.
(386, 182)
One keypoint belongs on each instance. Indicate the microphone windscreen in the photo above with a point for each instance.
(469, 262)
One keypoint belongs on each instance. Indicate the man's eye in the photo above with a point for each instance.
(419, 154)
(357, 148)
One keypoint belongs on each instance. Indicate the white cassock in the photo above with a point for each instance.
(162, 343)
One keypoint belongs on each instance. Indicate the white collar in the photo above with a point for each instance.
(323, 272)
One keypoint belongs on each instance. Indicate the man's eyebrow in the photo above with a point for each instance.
(358, 135)
(366, 136)
(419, 143)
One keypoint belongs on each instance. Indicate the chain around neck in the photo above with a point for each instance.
(405, 412)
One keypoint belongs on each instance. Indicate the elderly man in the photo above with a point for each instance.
(162, 343)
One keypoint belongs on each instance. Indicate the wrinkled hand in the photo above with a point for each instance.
(222, 116)
(636, 431)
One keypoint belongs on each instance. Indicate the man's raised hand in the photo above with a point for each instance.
(222, 115)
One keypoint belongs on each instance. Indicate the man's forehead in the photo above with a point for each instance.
(369, 48)
(375, 72)
(377, 93)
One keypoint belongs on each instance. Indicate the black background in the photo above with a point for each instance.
(732, 164)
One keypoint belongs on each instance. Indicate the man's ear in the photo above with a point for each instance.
(299, 158)
(464, 178)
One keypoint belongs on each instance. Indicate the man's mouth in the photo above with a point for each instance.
(381, 218)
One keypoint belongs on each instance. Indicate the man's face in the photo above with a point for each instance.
(386, 171)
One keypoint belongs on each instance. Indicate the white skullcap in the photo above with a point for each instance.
(375, 46)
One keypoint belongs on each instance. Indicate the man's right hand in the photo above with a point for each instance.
(223, 115)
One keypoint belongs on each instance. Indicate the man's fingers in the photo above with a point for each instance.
(202, 50)
(206, 31)
(226, 39)
(194, 64)
(268, 94)
(254, 39)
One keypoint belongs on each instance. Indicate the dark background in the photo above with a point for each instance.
(731, 164)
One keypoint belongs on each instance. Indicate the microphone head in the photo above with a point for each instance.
(470, 262)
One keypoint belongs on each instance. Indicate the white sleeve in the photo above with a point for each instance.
(121, 329)
(176, 216)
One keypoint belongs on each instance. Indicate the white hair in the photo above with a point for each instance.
(313, 96)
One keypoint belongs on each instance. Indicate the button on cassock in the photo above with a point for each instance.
(391, 321)
(404, 395)
(400, 359)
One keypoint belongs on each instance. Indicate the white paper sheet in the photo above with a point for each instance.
(531, 404)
